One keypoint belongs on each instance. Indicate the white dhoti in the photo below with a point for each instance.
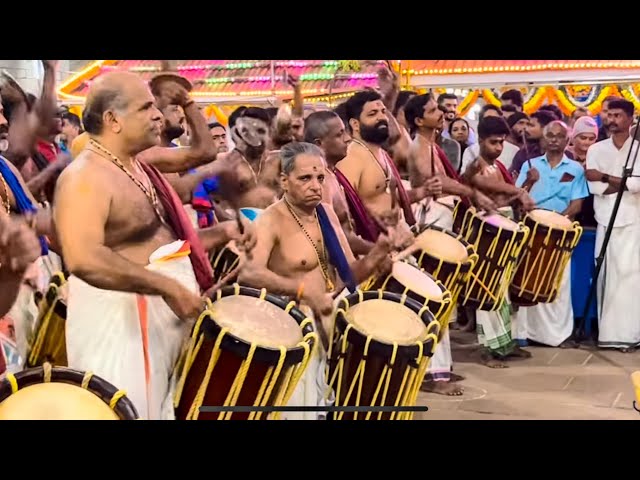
(132, 341)
(429, 212)
(618, 293)
(548, 323)
(312, 389)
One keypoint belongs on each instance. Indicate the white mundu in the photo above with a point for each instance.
(618, 298)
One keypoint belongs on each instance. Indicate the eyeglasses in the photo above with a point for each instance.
(552, 136)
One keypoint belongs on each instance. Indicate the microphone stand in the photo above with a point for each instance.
(626, 173)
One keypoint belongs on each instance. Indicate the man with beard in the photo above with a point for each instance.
(368, 176)
(533, 137)
(489, 175)
(326, 130)
(186, 179)
(618, 299)
(603, 134)
(448, 103)
(556, 183)
(300, 243)
(138, 268)
(517, 126)
(426, 163)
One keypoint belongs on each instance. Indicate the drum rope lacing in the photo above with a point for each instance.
(47, 372)
(495, 289)
(411, 381)
(46, 312)
(555, 265)
(292, 375)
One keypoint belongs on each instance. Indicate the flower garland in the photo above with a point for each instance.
(629, 93)
(468, 102)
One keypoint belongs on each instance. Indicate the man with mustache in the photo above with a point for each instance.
(618, 299)
(428, 163)
(555, 183)
(300, 243)
(138, 268)
(326, 130)
(603, 134)
(369, 176)
(533, 140)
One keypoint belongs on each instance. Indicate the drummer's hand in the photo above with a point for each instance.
(528, 203)
(183, 302)
(19, 245)
(532, 176)
(244, 241)
(484, 202)
(432, 187)
(401, 237)
(315, 294)
(172, 93)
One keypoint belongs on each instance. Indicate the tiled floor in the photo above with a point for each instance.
(553, 384)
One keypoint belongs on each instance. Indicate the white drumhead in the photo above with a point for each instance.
(442, 245)
(255, 320)
(387, 321)
(550, 219)
(416, 281)
(500, 222)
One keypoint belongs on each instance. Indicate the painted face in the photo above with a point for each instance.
(251, 135)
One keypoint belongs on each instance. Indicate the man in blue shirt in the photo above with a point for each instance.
(555, 183)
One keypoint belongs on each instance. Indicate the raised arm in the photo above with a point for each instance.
(201, 149)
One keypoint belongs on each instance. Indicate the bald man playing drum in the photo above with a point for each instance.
(296, 238)
(138, 268)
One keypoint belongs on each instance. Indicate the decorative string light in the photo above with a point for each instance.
(602, 64)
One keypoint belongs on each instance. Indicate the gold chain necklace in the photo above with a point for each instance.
(322, 257)
(150, 192)
(7, 205)
(387, 174)
(253, 172)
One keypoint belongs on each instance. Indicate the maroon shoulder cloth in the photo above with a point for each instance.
(365, 226)
(181, 224)
(505, 173)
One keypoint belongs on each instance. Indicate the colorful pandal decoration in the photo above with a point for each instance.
(568, 98)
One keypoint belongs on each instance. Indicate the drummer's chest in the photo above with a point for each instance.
(301, 251)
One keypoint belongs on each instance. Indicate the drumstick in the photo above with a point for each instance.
(241, 230)
(405, 253)
(299, 294)
(223, 281)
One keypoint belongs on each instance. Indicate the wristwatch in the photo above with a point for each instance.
(605, 178)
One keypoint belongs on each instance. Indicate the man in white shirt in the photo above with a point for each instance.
(618, 294)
